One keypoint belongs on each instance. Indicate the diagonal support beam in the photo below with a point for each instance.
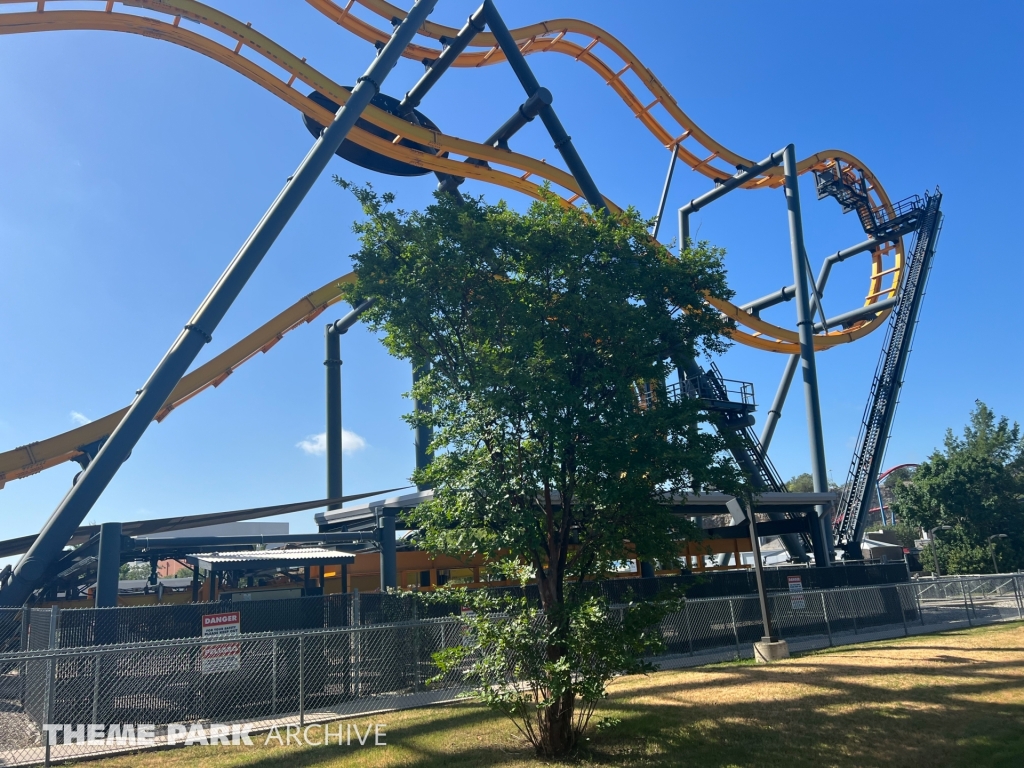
(664, 190)
(32, 568)
(563, 142)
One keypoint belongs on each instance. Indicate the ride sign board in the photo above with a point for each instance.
(221, 657)
(796, 589)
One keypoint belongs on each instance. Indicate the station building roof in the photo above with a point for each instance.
(271, 558)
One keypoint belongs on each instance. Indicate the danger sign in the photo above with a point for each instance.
(221, 657)
(796, 589)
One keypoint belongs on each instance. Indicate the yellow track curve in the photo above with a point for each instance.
(35, 457)
(236, 45)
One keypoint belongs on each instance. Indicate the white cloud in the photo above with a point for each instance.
(316, 445)
(79, 418)
(351, 442)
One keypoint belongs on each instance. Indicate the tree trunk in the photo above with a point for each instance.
(554, 724)
(557, 738)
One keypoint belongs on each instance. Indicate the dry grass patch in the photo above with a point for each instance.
(934, 700)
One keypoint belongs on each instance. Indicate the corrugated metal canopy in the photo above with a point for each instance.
(272, 558)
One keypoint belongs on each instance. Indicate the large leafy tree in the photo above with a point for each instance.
(975, 485)
(548, 337)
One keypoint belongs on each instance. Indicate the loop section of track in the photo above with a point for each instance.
(584, 41)
(255, 56)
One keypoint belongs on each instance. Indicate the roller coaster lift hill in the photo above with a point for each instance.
(364, 125)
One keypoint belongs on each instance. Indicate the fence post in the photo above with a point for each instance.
(302, 686)
(26, 619)
(26, 614)
(273, 677)
(415, 646)
(96, 690)
(357, 643)
(824, 612)
(1017, 599)
(903, 613)
(689, 633)
(854, 594)
(51, 675)
(967, 609)
(920, 608)
(970, 598)
(735, 631)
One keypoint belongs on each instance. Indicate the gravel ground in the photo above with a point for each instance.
(16, 728)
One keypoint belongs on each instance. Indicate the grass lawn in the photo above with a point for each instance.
(955, 699)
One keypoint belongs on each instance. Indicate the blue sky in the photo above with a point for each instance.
(133, 169)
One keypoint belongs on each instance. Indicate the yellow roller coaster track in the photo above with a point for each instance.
(35, 457)
(238, 46)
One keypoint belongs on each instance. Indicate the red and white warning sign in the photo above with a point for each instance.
(221, 657)
(796, 592)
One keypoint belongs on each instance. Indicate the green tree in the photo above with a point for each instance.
(130, 571)
(547, 336)
(975, 485)
(804, 483)
(906, 533)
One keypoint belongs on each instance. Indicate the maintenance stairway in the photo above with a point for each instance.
(732, 403)
(850, 189)
(851, 514)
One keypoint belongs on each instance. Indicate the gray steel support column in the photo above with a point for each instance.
(664, 190)
(721, 189)
(755, 546)
(166, 545)
(424, 434)
(861, 313)
(786, 293)
(775, 412)
(388, 550)
(335, 446)
(31, 570)
(526, 112)
(563, 142)
(805, 327)
(332, 365)
(474, 25)
(109, 565)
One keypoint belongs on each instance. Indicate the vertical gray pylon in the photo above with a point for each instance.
(805, 328)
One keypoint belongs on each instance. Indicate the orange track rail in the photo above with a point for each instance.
(238, 46)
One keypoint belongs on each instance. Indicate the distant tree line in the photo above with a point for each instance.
(974, 484)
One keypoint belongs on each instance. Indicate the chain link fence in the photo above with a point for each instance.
(306, 676)
(85, 626)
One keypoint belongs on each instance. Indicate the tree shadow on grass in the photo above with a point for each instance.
(827, 676)
(816, 713)
(842, 723)
(939, 721)
(461, 723)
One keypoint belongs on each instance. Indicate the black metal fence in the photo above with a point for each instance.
(735, 582)
(82, 627)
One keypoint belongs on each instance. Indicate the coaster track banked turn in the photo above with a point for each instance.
(225, 42)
